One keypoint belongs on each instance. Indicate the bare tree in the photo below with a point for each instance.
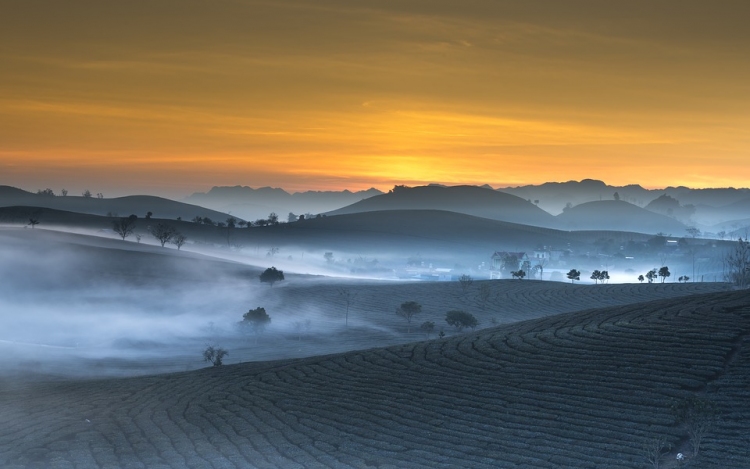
(655, 450)
(215, 355)
(64, 192)
(465, 282)
(541, 263)
(348, 298)
(124, 227)
(737, 262)
(698, 416)
(179, 240)
(163, 232)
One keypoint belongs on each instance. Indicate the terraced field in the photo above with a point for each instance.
(491, 301)
(578, 390)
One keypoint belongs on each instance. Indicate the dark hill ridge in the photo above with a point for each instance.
(469, 200)
(618, 215)
(426, 232)
(578, 390)
(252, 204)
(121, 206)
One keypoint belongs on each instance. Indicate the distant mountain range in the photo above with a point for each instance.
(553, 197)
(671, 210)
(469, 200)
(252, 204)
(138, 205)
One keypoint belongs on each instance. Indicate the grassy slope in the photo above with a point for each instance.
(620, 216)
(469, 200)
(578, 390)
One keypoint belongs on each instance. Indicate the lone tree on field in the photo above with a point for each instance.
(408, 310)
(33, 221)
(664, 273)
(465, 282)
(124, 227)
(641, 278)
(179, 240)
(461, 319)
(256, 320)
(348, 298)
(651, 275)
(737, 262)
(271, 275)
(214, 355)
(698, 416)
(428, 327)
(163, 232)
(574, 275)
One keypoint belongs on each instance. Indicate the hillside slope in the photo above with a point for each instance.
(469, 200)
(618, 215)
(138, 205)
(579, 390)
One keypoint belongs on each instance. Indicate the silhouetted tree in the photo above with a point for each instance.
(162, 232)
(271, 275)
(348, 298)
(721, 234)
(693, 232)
(541, 263)
(99, 195)
(46, 192)
(87, 193)
(460, 319)
(273, 219)
(124, 227)
(617, 196)
(149, 215)
(641, 278)
(428, 327)
(664, 273)
(519, 274)
(737, 262)
(651, 275)
(179, 240)
(408, 310)
(256, 320)
(596, 276)
(574, 275)
(33, 221)
(698, 416)
(64, 192)
(465, 282)
(604, 276)
(214, 355)
(291, 218)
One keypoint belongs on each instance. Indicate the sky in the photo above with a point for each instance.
(169, 97)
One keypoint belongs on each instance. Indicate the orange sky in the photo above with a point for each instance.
(174, 96)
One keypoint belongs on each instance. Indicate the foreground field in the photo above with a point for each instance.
(578, 390)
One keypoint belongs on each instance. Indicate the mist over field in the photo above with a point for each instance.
(408, 311)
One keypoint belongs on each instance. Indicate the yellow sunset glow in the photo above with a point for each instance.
(170, 97)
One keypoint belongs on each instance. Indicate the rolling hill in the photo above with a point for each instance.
(619, 215)
(590, 389)
(252, 204)
(120, 206)
(468, 200)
